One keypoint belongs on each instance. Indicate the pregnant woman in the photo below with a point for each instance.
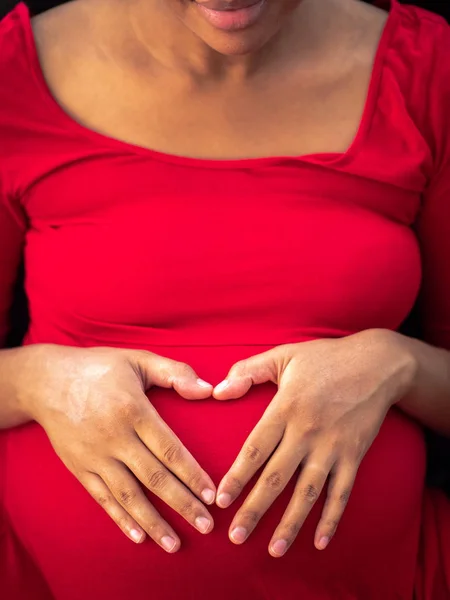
(226, 210)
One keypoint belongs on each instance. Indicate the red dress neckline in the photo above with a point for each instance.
(328, 158)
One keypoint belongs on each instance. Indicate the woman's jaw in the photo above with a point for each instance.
(234, 27)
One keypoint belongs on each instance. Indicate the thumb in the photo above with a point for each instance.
(155, 370)
(261, 368)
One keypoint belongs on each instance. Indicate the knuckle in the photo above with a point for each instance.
(127, 496)
(106, 430)
(274, 481)
(252, 454)
(331, 526)
(157, 479)
(186, 508)
(195, 482)
(311, 429)
(235, 484)
(103, 499)
(310, 493)
(237, 369)
(153, 527)
(172, 453)
(335, 443)
(291, 528)
(127, 409)
(318, 471)
(183, 370)
(250, 517)
(344, 496)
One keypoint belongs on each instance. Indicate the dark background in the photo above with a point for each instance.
(441, 7)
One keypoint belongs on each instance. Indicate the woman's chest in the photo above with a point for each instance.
(274, 119)
(273, 251)
(289, 108)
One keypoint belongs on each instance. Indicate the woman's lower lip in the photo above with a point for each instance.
(232, 20)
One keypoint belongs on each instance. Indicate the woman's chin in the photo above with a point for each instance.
(237, 32)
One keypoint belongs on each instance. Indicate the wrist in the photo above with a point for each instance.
(399, 358)
(12, 411)
(19, 377)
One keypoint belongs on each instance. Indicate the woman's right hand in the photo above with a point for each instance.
(93, 407)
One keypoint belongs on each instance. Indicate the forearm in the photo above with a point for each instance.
(428, 400)
(12, 370)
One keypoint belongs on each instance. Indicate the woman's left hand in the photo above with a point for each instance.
(332, 398)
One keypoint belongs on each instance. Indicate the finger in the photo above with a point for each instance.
(156, 478)
(102, 495)
(168, 373)
(260, 444)
(157, 436)
(128, 493)
(339, 490)
(307, 490)
(276, 475)
(261, 368)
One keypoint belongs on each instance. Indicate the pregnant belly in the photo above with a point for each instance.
(78, 549)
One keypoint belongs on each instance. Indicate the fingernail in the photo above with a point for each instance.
(203, 524)
(239, 535)
(203, 384)
(224, 500)
(279, 547)
(136, 535)
(208, 496)
(222, 386)
(168, 543)
(323, 543)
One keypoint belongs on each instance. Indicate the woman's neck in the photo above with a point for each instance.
(151, 28)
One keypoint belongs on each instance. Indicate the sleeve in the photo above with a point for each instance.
(433, 223)
(12, 235)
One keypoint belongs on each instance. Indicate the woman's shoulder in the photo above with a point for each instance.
(20, 51)
(25, 114)
(416, 82)
(18, 91)
(12, 36)
(421, 37)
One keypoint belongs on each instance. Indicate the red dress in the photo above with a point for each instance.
(210, 262)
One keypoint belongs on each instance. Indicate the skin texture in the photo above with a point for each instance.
(333, 396)
(328, 410)
(155, 74)
(303, 91)
(93, 407)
